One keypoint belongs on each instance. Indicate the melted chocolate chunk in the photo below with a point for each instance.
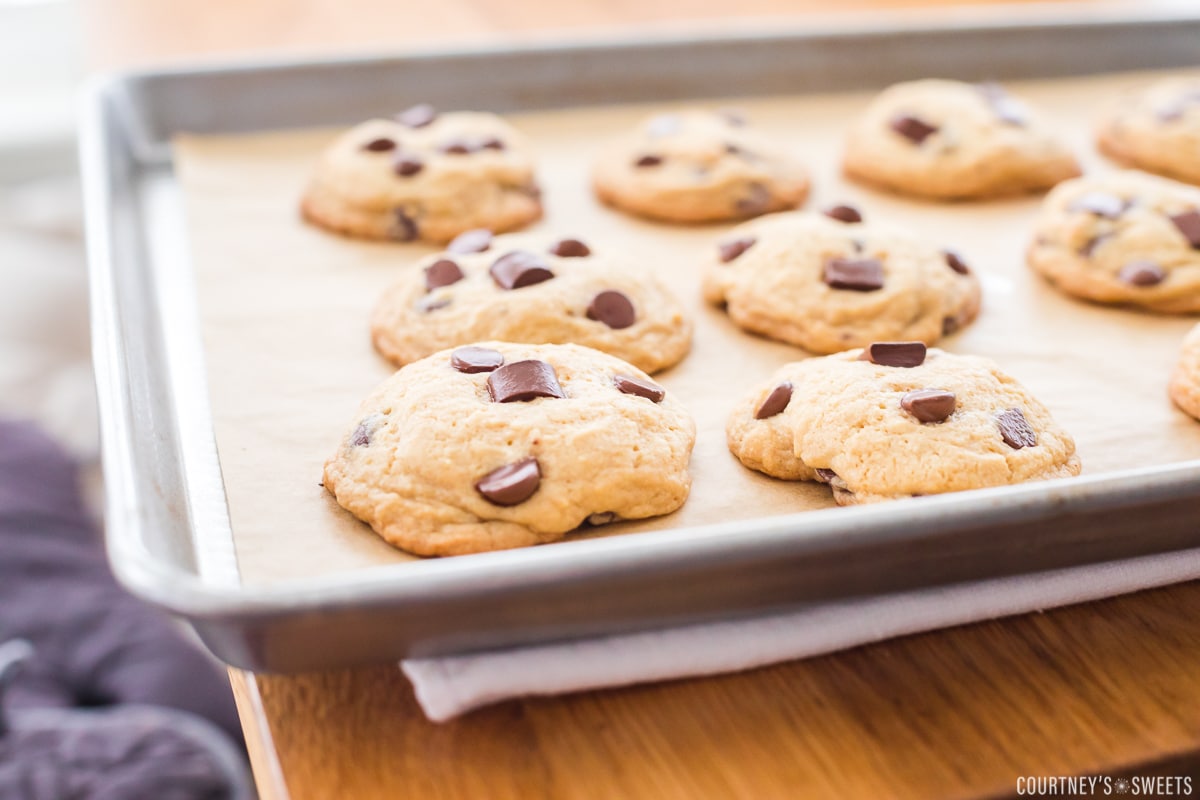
(418, 116)
(855, 274)
(728, 251)
(570, 248)
(826, 475)
(895, 354)
(613, 308)
(756, 202)
(511, 484)
(523, 380)
(457, 147)
(380, 145)
(1101, 204)
(519, 269)
(912, 128)
(776, 401)
(472, 360)
(950, 325)
(477, 240)
(407, 166)
(442, 272)
(956, 263)
(1188, 224)
(1015, 430)
(627, 384)
(929, 405)
(404, 228)
(648, 161)
(429, 304)
(1142, 273)
(847, 214)
(491, 143)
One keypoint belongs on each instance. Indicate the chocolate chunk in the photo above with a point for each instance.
(570, 248)
(756, 202)
(519, 269)
(1089, 247)
(950, 325)
(1015, 430)
(1005, 107)
(511, 484)
(1104, 205)
(407, 166)
(457, 147)
(404, 228)
(956, 263)
(380, 145)
(895, 354)
(929, 405)
(612, 308)
(730, 250)
(856, 274)
(442, 272)
(1142, 273)
(523, 380)
(418, 116)
(826, 475)
(847, 214)
(663, 125)
(776, 401)
(429, 304)
(1188, 224)
(477, 240)
(648, 161)
(362, 434)
(476, 359)
(491, 143)
(636, 386)
(911, 128)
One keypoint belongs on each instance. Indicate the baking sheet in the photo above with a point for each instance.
(284, 311)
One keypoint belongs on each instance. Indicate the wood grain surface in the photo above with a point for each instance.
(1111, 687)
(1099, 688)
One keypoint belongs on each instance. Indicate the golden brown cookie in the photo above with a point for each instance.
(499, 445)
(1157, 129)
(698, 166)
(896, 420)
(424, 175)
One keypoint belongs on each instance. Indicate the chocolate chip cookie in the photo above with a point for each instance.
(828, 282)
(424, 176)
(531, 288)
(896, 420)
(698, 166)
(949, 140)
(1126, 238)
(1157, 129)
(1185, 384)
(499, 445)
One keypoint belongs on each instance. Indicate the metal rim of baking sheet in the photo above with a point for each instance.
(168, 533)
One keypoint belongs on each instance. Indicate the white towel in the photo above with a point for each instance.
(449, 686)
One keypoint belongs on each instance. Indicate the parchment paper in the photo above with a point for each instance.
(284, 316)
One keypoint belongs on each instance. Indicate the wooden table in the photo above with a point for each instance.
(1110, 688)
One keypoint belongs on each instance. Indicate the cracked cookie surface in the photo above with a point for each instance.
(1122, 238)
(501, 445)
(950, 140)
(917, 422)
(825, 284)
(698, 166)
(531, 288)
(424, 176)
